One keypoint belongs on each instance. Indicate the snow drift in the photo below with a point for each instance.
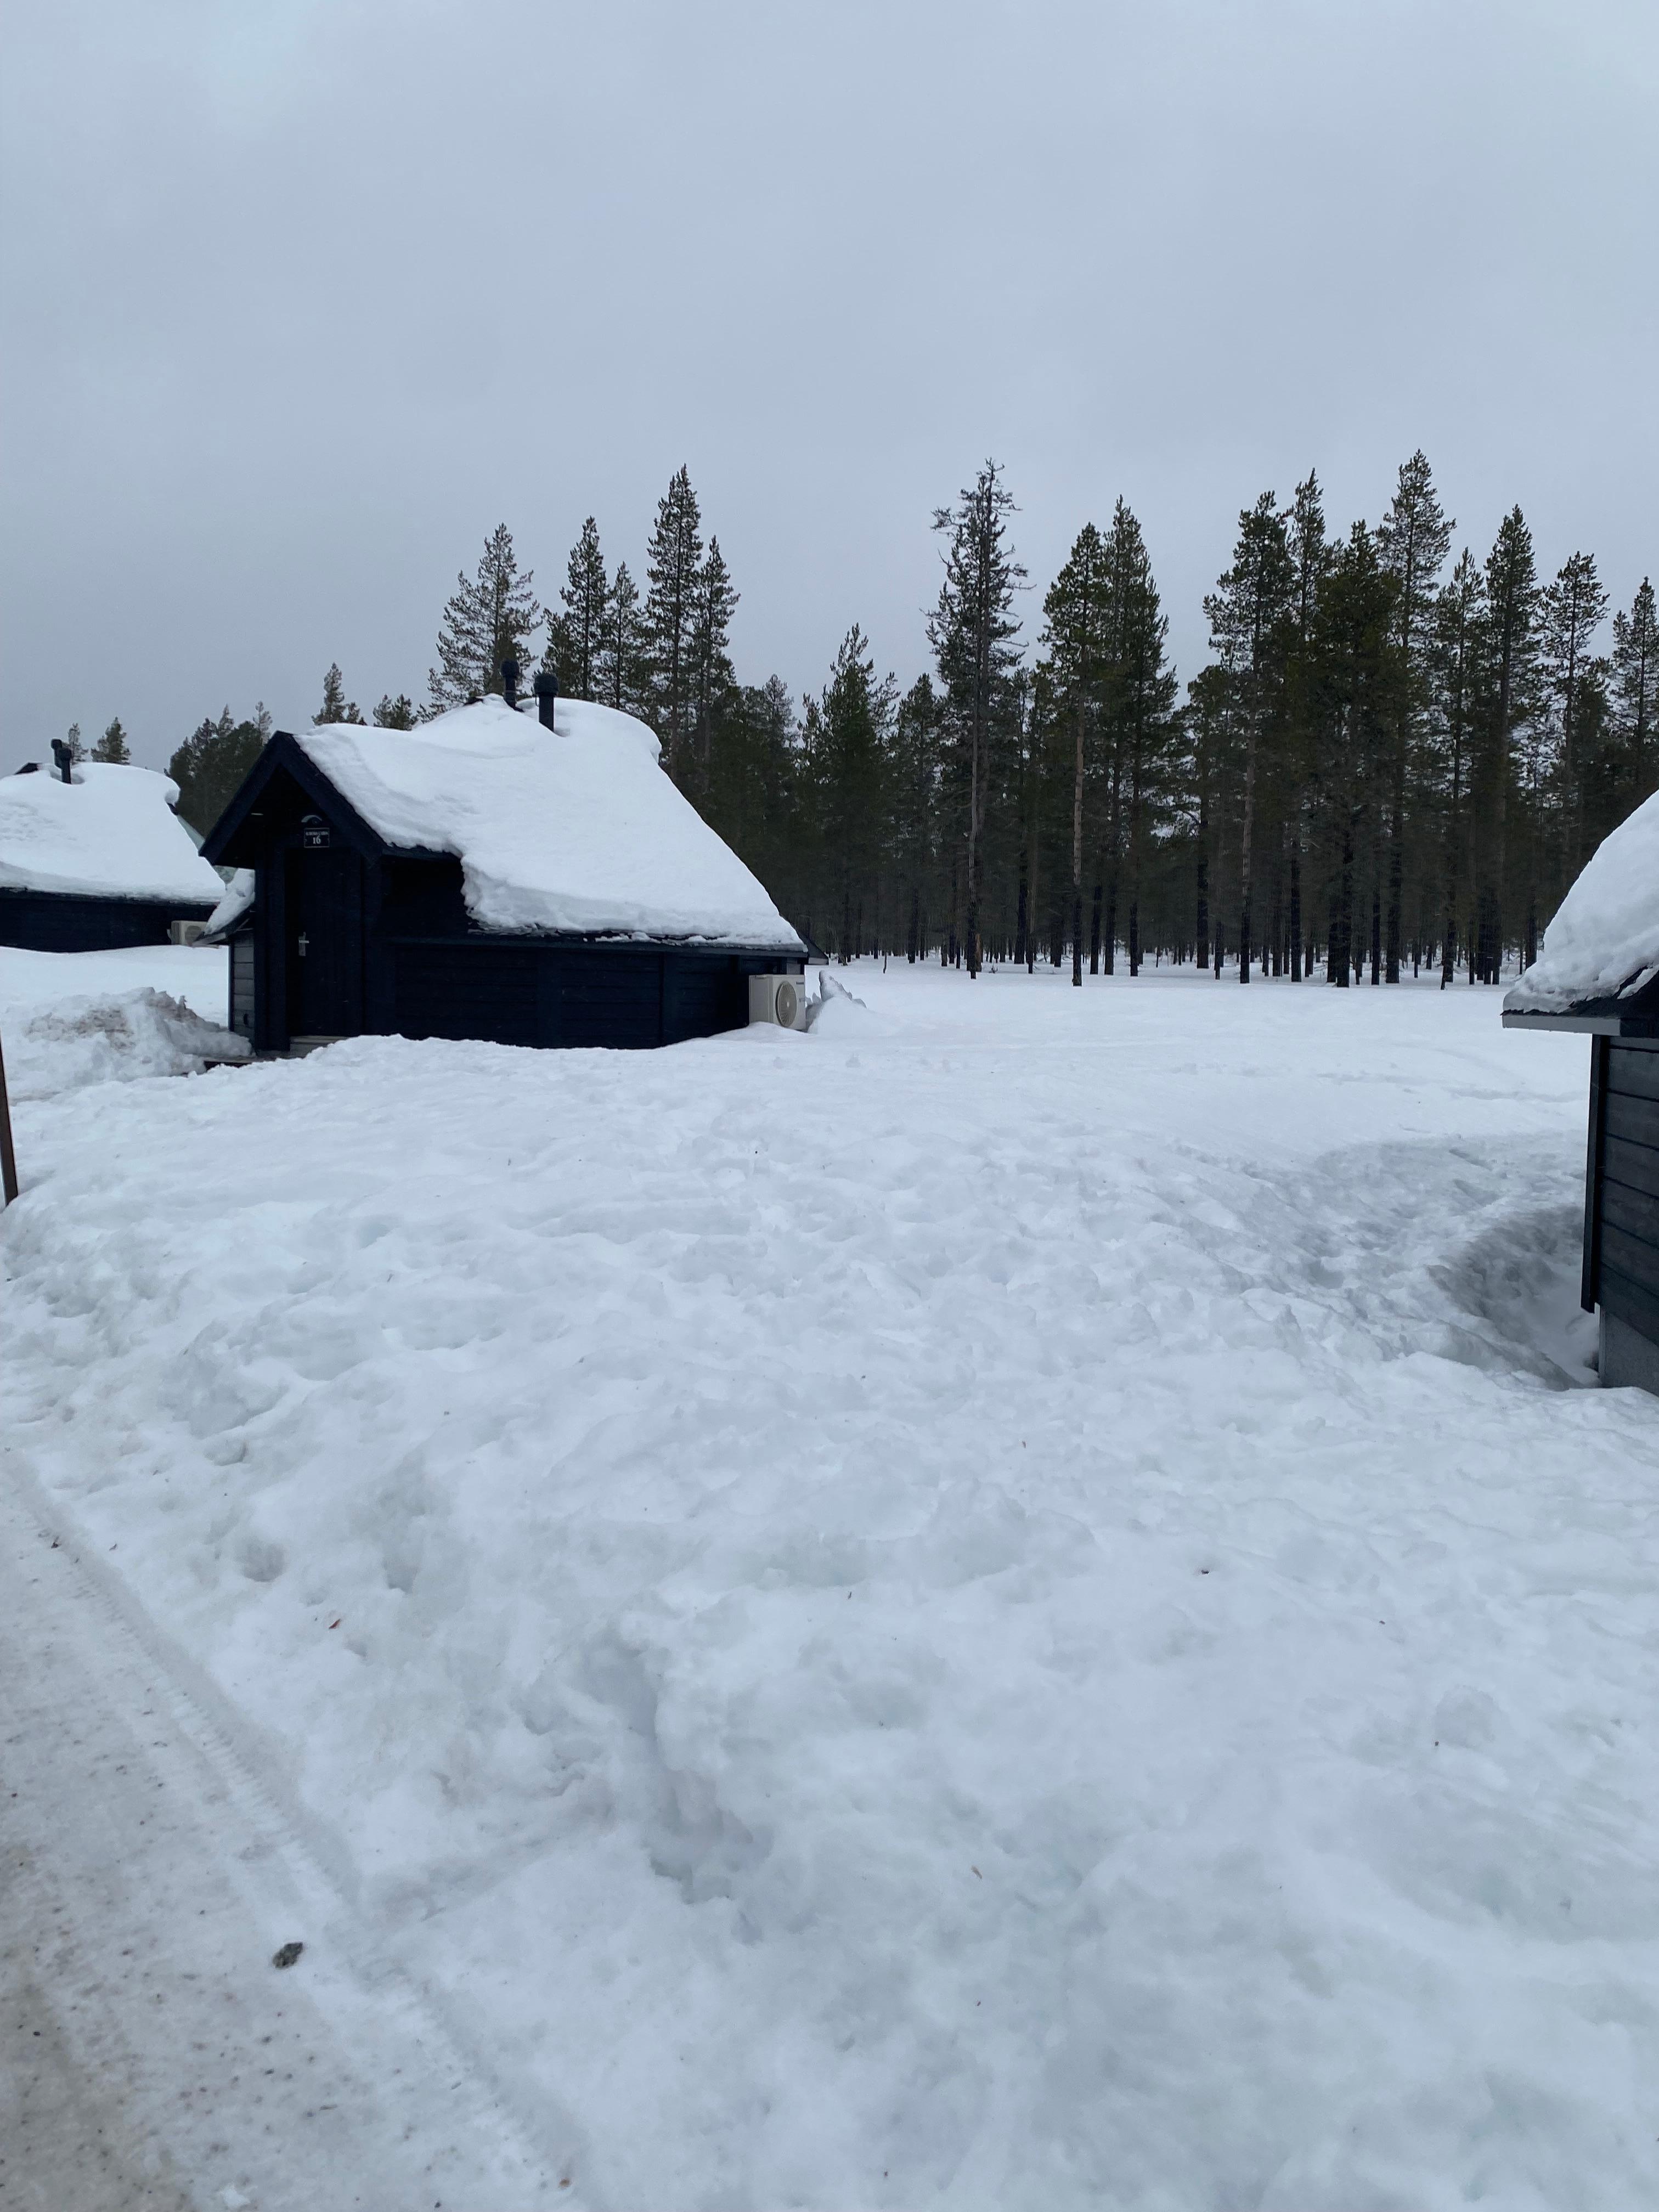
(110, 834)
(576, 828)
(1604, 940)
(111, 1040)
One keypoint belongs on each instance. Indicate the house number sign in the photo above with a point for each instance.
(316, 840)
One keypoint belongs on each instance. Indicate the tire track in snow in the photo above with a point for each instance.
(149, 1873)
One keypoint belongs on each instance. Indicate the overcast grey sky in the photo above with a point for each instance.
(301, 297)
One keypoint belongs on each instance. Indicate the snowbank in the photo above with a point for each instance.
(84, 1041)
(1015, 1619)
(572, 829)
(110, 834)
(1604, 940)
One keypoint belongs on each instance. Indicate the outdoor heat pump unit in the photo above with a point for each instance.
(780, 999)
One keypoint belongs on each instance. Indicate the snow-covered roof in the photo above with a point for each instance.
(572, 829)
(110, 834)
(1604, 941)
(238, 898)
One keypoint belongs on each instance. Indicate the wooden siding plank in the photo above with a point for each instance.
(1636, 1304)
(1634, 1257)
(1631, 1072)
(1633, 1211)
(1633, 1120)
(1636, 1166)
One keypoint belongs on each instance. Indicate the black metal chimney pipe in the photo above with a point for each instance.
(65, 758)
(510, 682)
(547, 695)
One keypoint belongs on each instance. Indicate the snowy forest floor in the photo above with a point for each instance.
(1016, 1601)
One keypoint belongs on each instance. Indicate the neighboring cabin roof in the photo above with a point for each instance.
(110, 834)
(574, 829)
(1599, 958)
(238, 898)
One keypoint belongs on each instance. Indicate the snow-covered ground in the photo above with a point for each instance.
(1013, 1601)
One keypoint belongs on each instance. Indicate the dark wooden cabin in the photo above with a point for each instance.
(1602, 985)
(383, 908)
(93, 857)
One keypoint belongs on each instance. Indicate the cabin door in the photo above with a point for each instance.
(324, 942)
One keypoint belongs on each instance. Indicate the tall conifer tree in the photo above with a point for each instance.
(1636, 689)
(1412, 541)
(575, 636)
(673, 567)
(489, 618)
(972, 631)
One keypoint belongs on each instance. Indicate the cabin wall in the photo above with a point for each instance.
(58, 922)
(1621, 1239)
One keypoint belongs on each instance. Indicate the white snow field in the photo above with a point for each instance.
(1016, 1601)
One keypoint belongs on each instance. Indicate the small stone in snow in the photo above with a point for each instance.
(287, 1955)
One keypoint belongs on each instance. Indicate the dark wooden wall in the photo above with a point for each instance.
(1621, 1222)
(56, 921)
(405, 960)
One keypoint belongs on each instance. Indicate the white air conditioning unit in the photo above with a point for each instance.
(780, 999)
(186, 933)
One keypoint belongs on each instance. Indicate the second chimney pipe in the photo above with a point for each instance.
(547, 695)
(510, 682)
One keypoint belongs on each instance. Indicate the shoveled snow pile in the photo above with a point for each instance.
(575, 829)
(1604, 940)
(111, 1040)
(1010, 1608)
(110, 834)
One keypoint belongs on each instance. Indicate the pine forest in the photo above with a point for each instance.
(1394, 759)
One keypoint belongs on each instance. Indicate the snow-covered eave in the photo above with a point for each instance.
(186, 909)
(1599, 1017)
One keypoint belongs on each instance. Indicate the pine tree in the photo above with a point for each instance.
(1459, 646)
(1311, 553)
(1076, 641)
(1247, 613)
(210, 764)
(972, 631)
(851, 739)
(1511, 580)
(113, 746)
(1571, 610)
(624, 666)
(673, 564)
(1412, 541)
(1635, 690)
(575, 637)
(78, 750)
(713, 678)
(1141, 700)
(488, 619)
(335, 707)
(396, 714)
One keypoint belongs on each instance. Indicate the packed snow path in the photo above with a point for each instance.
(1009, 1602)
(152, 2058)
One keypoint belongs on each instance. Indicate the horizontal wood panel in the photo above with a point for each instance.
(1632, 1074)
(1633, 1211)
(1633, 1121)
(1635, 1166)
(1634, 1257)
(450, 992)
(1631, 1301)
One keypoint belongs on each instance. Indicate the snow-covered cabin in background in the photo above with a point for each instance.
(98, 860)
(530, 879)
(1598, 973)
